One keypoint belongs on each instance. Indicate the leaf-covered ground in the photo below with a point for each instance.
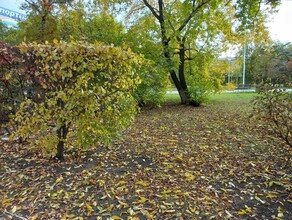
(176, 162)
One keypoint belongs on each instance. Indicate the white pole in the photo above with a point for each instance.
(243, 68)
(244, 58)
(229, 70)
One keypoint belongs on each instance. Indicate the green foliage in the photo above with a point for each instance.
(8, 34)
(83, 22)
(229, 86)
(81, 96)
(71, 22)
(154, 83)
(105, 28)
(270, 64)
(206, 77)
(199, 89)
(38, 27)
(273, 108)
(3, 30)
(141, 37)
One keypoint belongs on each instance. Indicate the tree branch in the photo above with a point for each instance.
(152, 9)
(192, 14)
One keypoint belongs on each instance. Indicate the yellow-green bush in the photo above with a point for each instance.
(229, 86)
(80, 94)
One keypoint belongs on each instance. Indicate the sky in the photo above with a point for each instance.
(280, 26)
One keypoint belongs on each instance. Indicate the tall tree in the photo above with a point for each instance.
(188, 25)
(41, 24)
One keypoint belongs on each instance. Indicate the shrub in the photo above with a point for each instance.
(80, 94)
(12, 83)
(273, 108)
(229, 86)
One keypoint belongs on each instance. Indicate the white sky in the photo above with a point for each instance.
(280, 25)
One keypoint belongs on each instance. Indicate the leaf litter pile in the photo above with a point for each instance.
(175, 162)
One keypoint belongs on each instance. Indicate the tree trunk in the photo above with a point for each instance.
(181, 73)
(179, 83)
(182, 92)
(62, 135)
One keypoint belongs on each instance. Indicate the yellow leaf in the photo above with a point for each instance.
(189, 176)
(14, 209)
(275, 183)
(56, 41)
(115, 217)
(142, 200)
(142, 183)
(89, 207)
(59, 180)
(166, 191)
(241, 212)
(179, 158)
(258, 199)
(34, 217)
(170, 211)
(193, 209)
(54, 195)
(272, 195)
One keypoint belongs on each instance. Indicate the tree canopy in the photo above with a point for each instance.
(181, 39)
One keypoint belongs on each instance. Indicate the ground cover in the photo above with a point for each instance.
(176, 162)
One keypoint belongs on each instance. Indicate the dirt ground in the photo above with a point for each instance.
(175, 162)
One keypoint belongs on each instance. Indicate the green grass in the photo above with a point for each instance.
(222, 97)
(172, 98)
(232, 97)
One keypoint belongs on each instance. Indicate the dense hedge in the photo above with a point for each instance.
(73, 93)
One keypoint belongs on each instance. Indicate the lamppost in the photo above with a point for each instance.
(244, 58)
(229, 62)
(243, 67)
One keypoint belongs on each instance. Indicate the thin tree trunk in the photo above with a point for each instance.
(62, 135)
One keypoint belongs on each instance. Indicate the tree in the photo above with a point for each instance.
(189, 25)
(80, 94)
(104, 28)
(41, 23)
(270, 64)
(3, 30)
(142, 37)
(8, 34)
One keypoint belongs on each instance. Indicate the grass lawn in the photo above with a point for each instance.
(221, 97)
(175, 162)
